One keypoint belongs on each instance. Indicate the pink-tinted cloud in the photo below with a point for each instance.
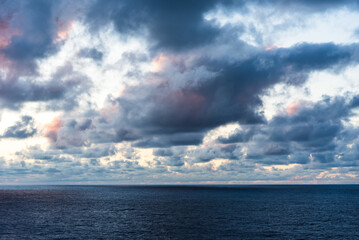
(273, 47)
(52, 128)
(7, 31)
(159, 63)
(294, 107)
(64, 29)
(187, 98)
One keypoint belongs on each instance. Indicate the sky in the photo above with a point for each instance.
(179, 92)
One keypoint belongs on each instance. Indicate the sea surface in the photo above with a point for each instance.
(180, 212)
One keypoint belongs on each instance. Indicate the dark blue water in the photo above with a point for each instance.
(241, 212)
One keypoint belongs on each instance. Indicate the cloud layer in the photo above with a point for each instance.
(180, 91)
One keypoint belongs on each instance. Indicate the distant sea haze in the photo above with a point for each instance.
(180, 212)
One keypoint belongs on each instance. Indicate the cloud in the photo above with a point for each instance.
(163, 152)
(181, 25)
(92, 53)
(61, 91)
(231, 94)
(178, 25)
(52, 128)
(241, 135)
(206, 154)
(29, 33)
(316, 133)
(33, 29)
(38, 22)
(316, 5)
(22, 129)
(162, 113)
(167, 140)
(315, 126)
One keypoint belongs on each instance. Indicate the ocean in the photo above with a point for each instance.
(180, 212)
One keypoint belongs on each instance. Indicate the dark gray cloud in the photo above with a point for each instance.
(36, 31)
(313, 127)
(22, 129)
(61, 91)
(174, 25)
(232, 95)
(33, 28)
(161, 115)
(206, 154)
(276, 149)
(167, 140)
(316, 133)
(240, 135)
(180, 25)
(174, 161)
